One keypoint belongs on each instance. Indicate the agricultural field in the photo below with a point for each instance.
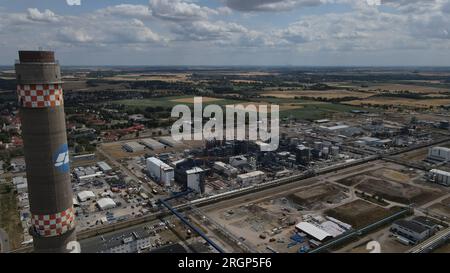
(388, 101)
(327, 94)
(165, 77)
(421, 89)
(172, 101)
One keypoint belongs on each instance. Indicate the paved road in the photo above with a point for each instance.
(4, 241)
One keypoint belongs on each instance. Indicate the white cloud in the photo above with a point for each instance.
(46, 16)
(270, 5)
(127, 10)
(187, 25)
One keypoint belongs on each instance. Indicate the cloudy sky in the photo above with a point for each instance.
(230, 32)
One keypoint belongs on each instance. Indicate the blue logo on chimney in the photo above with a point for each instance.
(61, 159)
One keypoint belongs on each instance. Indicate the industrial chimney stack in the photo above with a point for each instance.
(40, 95)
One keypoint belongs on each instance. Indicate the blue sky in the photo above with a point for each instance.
(230, 32)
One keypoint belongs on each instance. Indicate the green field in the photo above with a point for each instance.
(169, 102)
(311, 110)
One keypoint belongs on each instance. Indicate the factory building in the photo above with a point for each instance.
(439, 177)
(20, 183)
(303, 154)
(169, 141)
(85, 196)
(152, 144)
(413, 231)
(160, 170)
(133, 147)
(439, 154)
(313, 231)
(104, 167)
(106, 203)
(250, 178)
(40, 98)
(196, 179)
(226, 169)
(238, 161)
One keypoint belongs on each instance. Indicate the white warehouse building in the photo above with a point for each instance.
(85, 196)
(439, 153)
(160, 170)
(152, 144)
(252, 177)
(440, 177)
(133, 147)
(106, 203)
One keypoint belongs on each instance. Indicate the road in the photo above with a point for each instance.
(4, 241)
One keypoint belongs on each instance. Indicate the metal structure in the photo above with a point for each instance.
(40, 97)
(166, 204)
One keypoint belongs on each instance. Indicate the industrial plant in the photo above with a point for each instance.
(224, 127)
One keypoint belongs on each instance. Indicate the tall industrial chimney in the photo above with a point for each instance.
(40, 95)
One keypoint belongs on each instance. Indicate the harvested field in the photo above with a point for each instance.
(329, 94)
(391, 174)
(388, 101)
(442, 208)
(191, 100)
(283, 107)
(165, 77)
(397, 192)
(407, 87)
(351, 180)
(116, 150)
(315, 197)
(358, 213)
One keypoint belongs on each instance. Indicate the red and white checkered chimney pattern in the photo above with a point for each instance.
(40, 95)
(54, 224)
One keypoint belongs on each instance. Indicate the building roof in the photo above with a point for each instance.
(425, 221)
(251, 174)
(444, 173)
(159, 163)
(194, 170)
(369, 139)
(153, 144)
(441, 149)
(334, 128)
(84, 195)
(168, 140)
(104, 166)
(313, 231)
(106, 203)
(413, 226)
(134, 145)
